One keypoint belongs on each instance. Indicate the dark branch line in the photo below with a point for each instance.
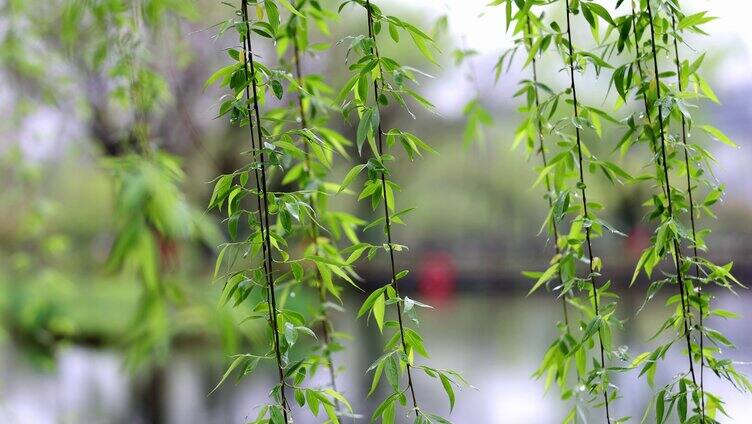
(326, 324)
(691, 217)
(677, 247)
(387, 216)
(584, 204)
(646, 102)
(268, 267)
(544, 160)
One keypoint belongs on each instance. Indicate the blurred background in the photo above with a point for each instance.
(68, 319)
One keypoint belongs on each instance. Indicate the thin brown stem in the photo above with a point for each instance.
(387, 216)
(326, 323)
(692, 220)
(646, 103)
(248, 60)
(256, 173)
(544, 159)
(584, 204)
(677, 247)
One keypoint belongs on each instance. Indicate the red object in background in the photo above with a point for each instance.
(437, 277)
(168, 251)
(637, 240)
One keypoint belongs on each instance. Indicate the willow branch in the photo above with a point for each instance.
(677, 247)
(691, 217)
(387, 217)
(641, 74)
(584, 204)
(248, 60)
(326, 324)
(544, 159)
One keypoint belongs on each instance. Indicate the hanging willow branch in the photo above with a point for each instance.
(563, 172)
(260, 205)
(309, 96)
(662, 106)
(691, 205)
(326, 322)
(644, 90)
(387, 216)
(555, 360)
(583, 192)
(544, 160)
(670, 210)
(385, 80)
(276, 147)
(248, 60)
(152, 214)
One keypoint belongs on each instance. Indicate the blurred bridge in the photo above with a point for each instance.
(487, 266)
